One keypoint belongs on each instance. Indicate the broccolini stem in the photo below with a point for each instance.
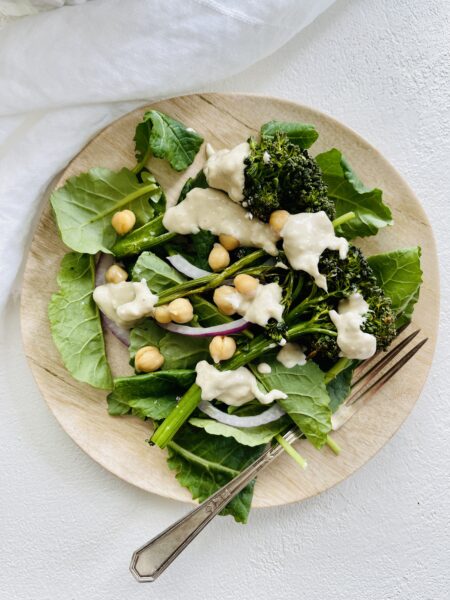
(343, 219)
(291, 451)
(149, 235)
(304, 328)
(337, 368)
(208, 282)
(181, 413)
(333, 445)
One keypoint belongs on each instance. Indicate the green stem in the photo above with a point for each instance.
(304, 328)
(337, 368)
(182, 411)
(334, 446)
(149, 235)
(208, 282)
(140, 165)
(343, 219)
(291, 451)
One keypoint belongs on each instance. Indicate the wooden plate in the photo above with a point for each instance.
(118, 443)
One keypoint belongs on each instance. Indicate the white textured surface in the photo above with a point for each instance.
(68, 527)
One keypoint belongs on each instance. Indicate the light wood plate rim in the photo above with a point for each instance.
(25, 305)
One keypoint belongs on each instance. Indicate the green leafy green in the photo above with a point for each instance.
(142, 149)
(307, 403)
(349, 194)
(199, 181)
(179, 351)
(207, 313)
(400, 276)
(204, 463)
(301, 134)
(158, 274)
(339, 388)
(167, 138)
(152, 395)
(75, 322)
(248, 436)
(194, 248)
(85, 204)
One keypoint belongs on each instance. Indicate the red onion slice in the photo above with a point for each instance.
(224, 329)
(122, 334)
(268, 416)
(103, 262)
(102, 265)
(186, 268)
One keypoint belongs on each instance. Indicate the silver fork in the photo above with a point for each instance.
(151, 559)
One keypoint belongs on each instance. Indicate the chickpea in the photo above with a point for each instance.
(222, 347)
(148, 359)
(123, 221)
(246, 284)
(181, 310)
(278, 220)
(222, 301)
(218, 258)
(115, 274)
(228, 241)
(162, 314)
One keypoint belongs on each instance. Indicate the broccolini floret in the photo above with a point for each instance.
(345, 277)
(280, 175)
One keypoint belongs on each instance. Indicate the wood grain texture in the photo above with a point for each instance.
(118, 443)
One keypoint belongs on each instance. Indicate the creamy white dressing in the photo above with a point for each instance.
(224, 170)
(125, 303)
(291, 355)
(212, 210)
(305, 237)
(348, 319)
(266, 158)
(280, 264)
(232, 387)
(262, 305)
(264, 368)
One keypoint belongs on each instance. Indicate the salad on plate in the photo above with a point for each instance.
(245, 306)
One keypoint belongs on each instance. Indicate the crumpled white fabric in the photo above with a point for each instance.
(66, 73)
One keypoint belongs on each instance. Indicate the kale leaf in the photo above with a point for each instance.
(349, 194)
(85, 204)
(204, 463)
(75, 322)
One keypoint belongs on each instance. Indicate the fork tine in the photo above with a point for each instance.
(368, 374)
(350, 406)
(376, 385)
(362, 367)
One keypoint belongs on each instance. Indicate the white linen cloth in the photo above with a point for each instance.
(66, 73)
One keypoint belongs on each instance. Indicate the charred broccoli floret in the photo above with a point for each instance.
(275, 330)
(280, 175)
(344, 277)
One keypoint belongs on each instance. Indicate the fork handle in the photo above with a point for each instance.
(149, 561)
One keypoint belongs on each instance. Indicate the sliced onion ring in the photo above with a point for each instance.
(224, 329)
(102, 265)
(103, 262)
(122, 334)
(268, 416)
(186, 268)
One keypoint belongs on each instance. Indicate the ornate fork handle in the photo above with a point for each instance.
(149, 561)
